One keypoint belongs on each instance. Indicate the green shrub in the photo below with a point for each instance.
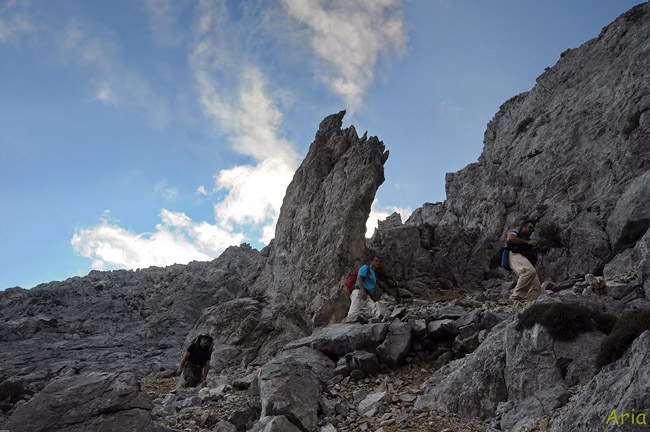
(565, 321)
(629, 327)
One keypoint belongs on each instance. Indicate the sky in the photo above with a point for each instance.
(136, 133)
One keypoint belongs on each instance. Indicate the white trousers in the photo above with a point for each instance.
(357, 303)
(528, 286)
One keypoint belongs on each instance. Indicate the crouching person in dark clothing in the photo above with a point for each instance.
(196, 362)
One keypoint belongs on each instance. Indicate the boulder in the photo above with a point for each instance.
(339, 339)
(473, 386)
(362, 364)
(321, 366)
(517, 376)
(274, 424)
(290, 386)
(397, 344)
(91, 401)
(374, 403)
(620, 388)
(442, 329)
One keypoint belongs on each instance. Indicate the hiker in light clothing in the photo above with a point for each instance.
(522, 258)
(363, 289)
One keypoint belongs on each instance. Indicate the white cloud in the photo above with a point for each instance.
(177, 239)
(379, 213)
(350, 36)
(248, 117)
(255, 195)
(447, 112)
(251, 120)
(255, 192)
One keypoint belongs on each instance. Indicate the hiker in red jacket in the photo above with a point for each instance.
(363, 289)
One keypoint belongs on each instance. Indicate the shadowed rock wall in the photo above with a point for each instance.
(572, 153)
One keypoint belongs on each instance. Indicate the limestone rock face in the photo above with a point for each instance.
(516, 377)
(112, 321)
(571, 153)
(320, 234)
(622, 386)
(93, 401)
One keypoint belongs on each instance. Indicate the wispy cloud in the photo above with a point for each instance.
(163, 17)
(350, 36)
(447, 111)
(169, 193)
(14, 22)
(113, 82)
(255, 192)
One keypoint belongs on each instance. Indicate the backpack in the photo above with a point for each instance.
(352, 278)
(505, 259)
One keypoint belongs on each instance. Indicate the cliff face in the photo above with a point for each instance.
(571, 153)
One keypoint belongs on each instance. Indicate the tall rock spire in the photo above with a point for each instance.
(320, 234)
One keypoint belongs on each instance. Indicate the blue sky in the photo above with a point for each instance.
(153, 132)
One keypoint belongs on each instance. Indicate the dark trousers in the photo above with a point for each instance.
(192, 375)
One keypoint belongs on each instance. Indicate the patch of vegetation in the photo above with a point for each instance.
(627, 329)
(10, 393)
(565, 321)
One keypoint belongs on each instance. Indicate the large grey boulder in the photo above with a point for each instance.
(291, 385)
(238, 329)
(397, 344)
(339, 339)
(87, 402)
(516, 377)
(620, 388)
(540, 372)
(473, 386)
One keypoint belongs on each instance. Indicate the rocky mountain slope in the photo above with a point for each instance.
(571, 152)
